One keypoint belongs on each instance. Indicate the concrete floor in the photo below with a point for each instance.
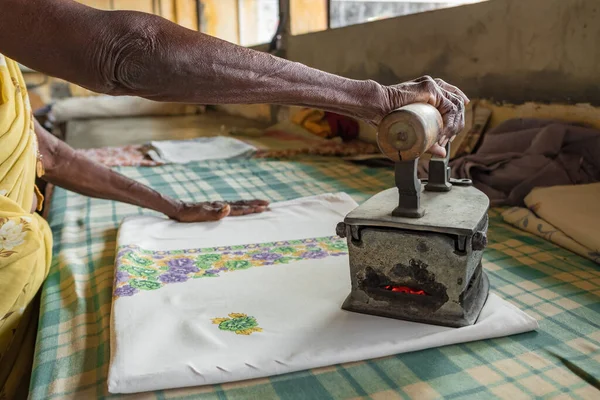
(85, 134)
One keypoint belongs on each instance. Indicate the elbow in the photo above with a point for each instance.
(123, 58)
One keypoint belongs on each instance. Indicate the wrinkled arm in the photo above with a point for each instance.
(70, 170)
(132, 53)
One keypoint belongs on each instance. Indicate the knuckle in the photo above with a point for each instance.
(428, 85)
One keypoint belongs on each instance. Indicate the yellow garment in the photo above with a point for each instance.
(313, 121)
(25, 238)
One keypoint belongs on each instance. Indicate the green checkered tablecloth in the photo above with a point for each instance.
(558, 288)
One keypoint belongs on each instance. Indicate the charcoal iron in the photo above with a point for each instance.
(415, 250)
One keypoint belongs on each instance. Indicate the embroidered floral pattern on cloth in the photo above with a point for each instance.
(241, 324)
(138, 269)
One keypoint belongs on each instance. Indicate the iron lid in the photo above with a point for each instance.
(456, 212)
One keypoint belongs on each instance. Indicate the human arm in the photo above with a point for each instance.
(132, 53)
(73, 171)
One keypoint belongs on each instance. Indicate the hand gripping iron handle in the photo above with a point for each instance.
(407, 133)
(404, 135)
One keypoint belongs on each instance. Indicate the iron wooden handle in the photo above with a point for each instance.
(407, 133)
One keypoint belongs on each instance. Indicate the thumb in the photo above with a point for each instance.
(437, 150)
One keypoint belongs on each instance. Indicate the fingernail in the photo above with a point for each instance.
(452, 138)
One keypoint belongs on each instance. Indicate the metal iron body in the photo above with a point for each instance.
(415, 250)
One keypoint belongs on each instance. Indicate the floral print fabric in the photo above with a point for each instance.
(138, 269)
(12, 234)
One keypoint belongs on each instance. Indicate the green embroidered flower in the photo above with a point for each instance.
(283, 250)
(241, 324)
(144, 285)
(337, 246)
(286, 260)
(238, 264)
(139, 261)
(139, 271)
(206, 261)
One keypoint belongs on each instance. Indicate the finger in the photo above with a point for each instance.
(423, 79)
(448, 110)
(453, 89)
(454, 119)
(237, 211)
(437, 150)
(214, 211)
(251, 203)
(448, 104)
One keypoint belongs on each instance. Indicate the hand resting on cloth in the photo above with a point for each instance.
(73, 171)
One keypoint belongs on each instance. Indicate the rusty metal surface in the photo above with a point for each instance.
(445, 266)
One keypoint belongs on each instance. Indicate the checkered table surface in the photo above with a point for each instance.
(561, 360)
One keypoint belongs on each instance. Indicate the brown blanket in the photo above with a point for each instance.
(522, 154)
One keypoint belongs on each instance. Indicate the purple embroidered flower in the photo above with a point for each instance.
(122, 253)
(313, 254)
(182, 266)
(238, 253)
(339, 254)
(125, 290)
(212, 271)
(311, 245)
(172, 278)
(121, 276)
(267, 256)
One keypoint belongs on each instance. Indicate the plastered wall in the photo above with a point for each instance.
(507, 50)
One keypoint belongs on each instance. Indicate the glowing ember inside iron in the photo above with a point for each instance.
(404, 289)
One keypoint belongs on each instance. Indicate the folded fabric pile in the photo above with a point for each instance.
(122, 156)
(251, 297)
(522, 154)
(199, 149)
(566, 215)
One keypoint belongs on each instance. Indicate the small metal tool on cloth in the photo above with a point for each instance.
(415, 250)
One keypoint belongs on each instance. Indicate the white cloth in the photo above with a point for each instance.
(200, 149)
(177, 335)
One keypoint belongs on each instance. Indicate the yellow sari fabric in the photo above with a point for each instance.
(25, 238)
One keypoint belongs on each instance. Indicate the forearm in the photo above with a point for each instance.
(70, 170)
(130, 53)
(182, 65)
